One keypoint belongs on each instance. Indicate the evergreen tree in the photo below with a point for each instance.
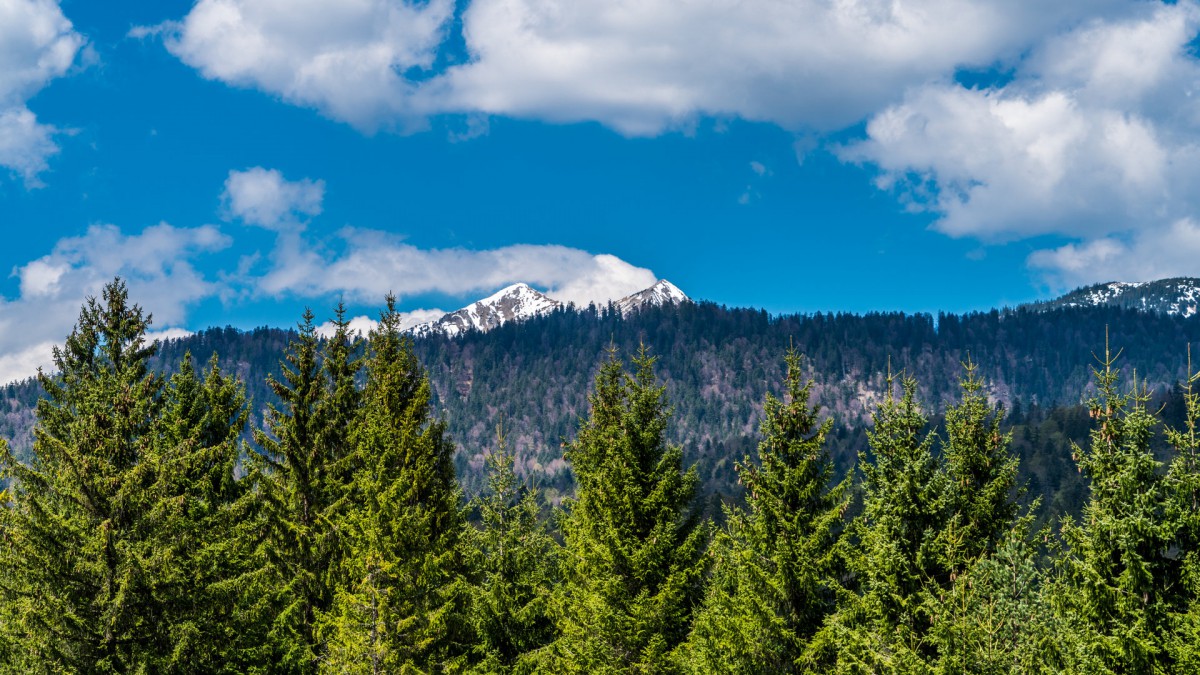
(1117, 571)
(517, 567)
(79, 593)
(895, 563)
(634, 557)
(203, 523)
(295, 474)
(997, 617)
(1183, 485)
(402, 605)
(775, 577)
(981, 494)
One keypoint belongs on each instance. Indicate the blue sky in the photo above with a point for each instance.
(237, 160)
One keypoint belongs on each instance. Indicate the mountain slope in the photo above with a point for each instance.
(521, 302)
(514, 303)
(1179, 296)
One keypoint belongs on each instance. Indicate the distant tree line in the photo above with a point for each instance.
(145, 534)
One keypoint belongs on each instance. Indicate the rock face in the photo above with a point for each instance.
(520, 302)
(1180, 295)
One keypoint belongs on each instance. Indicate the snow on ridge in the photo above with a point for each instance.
(521, 301)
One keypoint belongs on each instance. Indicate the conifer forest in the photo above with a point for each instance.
(725, 493)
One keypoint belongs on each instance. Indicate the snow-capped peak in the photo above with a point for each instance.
(1180, 296)
(513, 303)
(520, 302)
(661, 293)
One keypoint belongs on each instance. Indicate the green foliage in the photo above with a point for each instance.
(121, 533)
(301, 475)
(981, 474)
(895, 560)
(1118, 579)
(401, 607)
(633, 563)
(775, 576)
(517, 568)
(997, 617)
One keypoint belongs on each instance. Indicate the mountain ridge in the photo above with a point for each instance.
(521, 302)
(1175, 296)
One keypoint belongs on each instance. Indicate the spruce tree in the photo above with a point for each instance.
(981, 478)
(894, 562)
(401, 607)
(297, 487)
(1117, 571)
(80, 594)
(1183, 489)
(634, 557)
(517, 568)
(775, 577)
(203, 525)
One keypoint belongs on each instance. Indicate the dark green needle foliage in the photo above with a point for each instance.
(884, 628)
(1118, 579)
(775, 578)
(401, 607)
(1183, 486)
(204, 525)
(517, 567)
(981, 491)
(634, 558)
(301, 474)
(121, 544)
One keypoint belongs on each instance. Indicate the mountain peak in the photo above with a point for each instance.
(662, 292)
(1179, 295)
(517, 302)
(520, 301)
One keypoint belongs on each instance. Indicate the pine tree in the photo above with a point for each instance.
(296, 478)
(997, 617)
(981, 492)
(634, 557)
(517, 567)
(1183, 489)
(79, 593)
(1116, 570)
(895, 563)
(402, 605)
(204, 521)
(775, 577)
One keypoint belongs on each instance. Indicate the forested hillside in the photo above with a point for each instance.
(717, 364)
(143, 533)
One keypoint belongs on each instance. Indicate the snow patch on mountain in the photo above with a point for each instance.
(1179, 296)
(520, 302)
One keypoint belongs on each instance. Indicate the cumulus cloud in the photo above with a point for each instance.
(638, 66)
(156, 263)
(37, 44)
(363, 325)
(263, 197)
(347, 58)
(370, 263)
(1095, 138)
(1148, 254)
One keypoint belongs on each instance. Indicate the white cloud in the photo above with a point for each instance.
(1152, 253)
(156, 264)
(37, 44)
(363, 325)
(1096, 138)
(346, 58)
(265, 198)
(370, 263)
(639, 66)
